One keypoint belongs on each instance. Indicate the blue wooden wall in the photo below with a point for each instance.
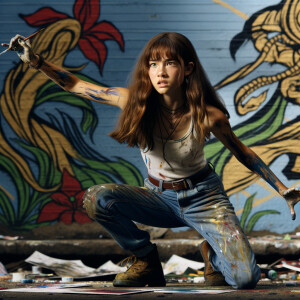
(212, 26)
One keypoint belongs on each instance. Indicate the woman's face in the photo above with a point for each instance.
(167, 75)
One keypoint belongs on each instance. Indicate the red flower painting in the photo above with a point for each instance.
(66, 205)
(93, 34)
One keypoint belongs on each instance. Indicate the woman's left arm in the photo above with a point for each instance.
(220, 127)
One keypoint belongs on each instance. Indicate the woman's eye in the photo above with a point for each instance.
(152, 64)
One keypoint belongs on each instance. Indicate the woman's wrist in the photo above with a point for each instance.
(288, 191)
(38, 62)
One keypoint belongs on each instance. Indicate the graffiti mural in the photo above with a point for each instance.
(64, 165)
(51, 142)
(275, 34)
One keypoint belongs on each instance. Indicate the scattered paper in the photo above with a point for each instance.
(7, 237)
(178, 265)
(53, 290)
(72, 268)
(288, 266)
(109, 266)
(3, 270)
(61, 267)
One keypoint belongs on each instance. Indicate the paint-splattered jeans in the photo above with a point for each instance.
(205, 208)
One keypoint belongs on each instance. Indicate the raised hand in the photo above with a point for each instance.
(23, 49)
(292, 197)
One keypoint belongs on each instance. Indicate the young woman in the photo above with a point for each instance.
(168, 110)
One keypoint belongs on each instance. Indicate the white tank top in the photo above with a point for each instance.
(185, 156)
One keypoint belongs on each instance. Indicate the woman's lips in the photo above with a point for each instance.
(162, 83)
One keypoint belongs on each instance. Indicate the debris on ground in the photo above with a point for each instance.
(182, 275)
(176, 270)
(9, 238)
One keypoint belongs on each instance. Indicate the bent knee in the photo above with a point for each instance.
(96, 197)
(246, 281)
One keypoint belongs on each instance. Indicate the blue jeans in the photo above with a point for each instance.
(205, 208)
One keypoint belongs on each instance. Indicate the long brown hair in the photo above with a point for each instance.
(136, 123)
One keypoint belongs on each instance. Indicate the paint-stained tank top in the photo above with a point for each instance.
(184, 157)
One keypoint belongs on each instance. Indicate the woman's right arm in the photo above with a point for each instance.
(116, 96)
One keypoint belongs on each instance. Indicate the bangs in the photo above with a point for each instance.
(163, 48)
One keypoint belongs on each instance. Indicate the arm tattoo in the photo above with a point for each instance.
(252, 161)
(112, 91)
(260, 168)
(256, 165)
(62, 77)
(96, 95)
(66, 80)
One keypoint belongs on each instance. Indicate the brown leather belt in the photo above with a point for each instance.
(181, 184)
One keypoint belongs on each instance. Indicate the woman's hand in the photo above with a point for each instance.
(292, 197)
(24, 50)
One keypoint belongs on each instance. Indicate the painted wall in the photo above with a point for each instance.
(53, 145)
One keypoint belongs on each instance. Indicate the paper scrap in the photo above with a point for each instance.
(7, 237)
(72, 268)
(288, 266)
(109, 266)
(178, 265)
(53, 290)
(3, 270)
(60, 266)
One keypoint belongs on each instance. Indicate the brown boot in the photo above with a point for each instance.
(210, 275)
(143, 271)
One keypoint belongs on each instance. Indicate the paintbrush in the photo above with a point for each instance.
(27, 38)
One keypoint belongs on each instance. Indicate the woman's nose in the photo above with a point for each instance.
(161, 71)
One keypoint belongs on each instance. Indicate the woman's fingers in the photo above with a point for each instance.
(292, 210)
(14, 44)
(292, 197)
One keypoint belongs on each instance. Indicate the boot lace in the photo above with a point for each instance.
(131, 262)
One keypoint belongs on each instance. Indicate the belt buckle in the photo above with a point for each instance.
(178, 181)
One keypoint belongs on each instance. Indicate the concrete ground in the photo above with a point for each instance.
(97, 251)
(264, 290)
